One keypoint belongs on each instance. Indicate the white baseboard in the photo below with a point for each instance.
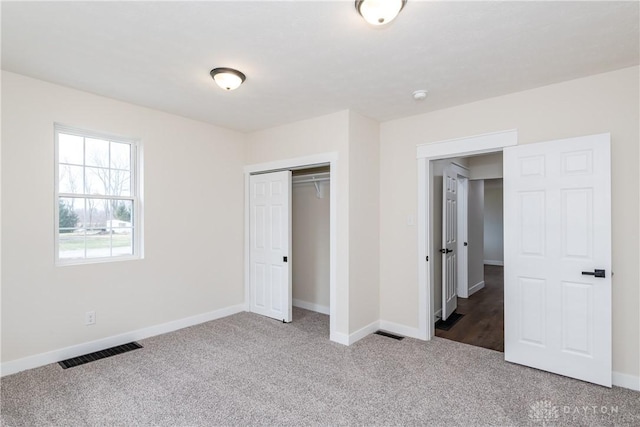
(363, 332)
(349, 339)
(54, 356)
(626, 381)
(475, 288)
(339, 337)
(437, 315)
(385, 325)
(399, 329)
(311, 306)
(493, 262)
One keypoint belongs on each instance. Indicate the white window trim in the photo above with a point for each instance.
(136, 197)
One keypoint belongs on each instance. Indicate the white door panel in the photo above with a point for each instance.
(270, 238)
(449, 242)
(557, 203)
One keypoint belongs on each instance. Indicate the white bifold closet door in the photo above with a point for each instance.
(557, 245)
(270, 238)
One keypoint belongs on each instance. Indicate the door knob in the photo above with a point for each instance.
(445, 251)
(596, 273)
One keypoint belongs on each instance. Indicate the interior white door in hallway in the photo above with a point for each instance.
(449, 242)
(557, 244)
(270, 239)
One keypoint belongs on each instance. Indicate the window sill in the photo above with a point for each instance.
(66, 263)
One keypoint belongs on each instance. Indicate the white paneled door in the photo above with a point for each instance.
(449, 242)
(557, 241)
(270, 238)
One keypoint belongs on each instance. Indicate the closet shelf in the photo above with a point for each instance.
(315, 179)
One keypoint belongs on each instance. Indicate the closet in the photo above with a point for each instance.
(310, 238)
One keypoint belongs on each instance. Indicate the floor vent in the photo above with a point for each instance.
(113, 351)
(389, 335)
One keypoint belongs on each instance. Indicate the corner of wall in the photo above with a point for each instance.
(364, 222)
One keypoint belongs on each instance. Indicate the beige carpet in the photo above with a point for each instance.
(250, 370)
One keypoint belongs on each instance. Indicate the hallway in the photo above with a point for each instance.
(483, 321)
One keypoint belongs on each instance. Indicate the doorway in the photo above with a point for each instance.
(479, 315)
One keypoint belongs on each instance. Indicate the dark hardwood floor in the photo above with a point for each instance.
(483, 321)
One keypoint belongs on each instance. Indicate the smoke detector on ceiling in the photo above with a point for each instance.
(420, 95)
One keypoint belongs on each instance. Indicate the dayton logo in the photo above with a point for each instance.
(543, 411)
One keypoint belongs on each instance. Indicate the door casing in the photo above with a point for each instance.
(426, 153)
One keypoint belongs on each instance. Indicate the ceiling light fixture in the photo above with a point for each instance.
(228, 78)
(379, 12)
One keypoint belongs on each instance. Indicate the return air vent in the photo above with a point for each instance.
(113, 351)
(389, 335)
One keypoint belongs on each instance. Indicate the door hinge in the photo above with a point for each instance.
(284, 259)
(427, 258)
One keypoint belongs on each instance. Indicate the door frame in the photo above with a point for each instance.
(299, 163)
(467, 146)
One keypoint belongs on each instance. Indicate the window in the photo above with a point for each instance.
(97, 200)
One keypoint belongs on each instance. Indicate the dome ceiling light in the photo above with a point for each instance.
(228, 78)
(379, 12)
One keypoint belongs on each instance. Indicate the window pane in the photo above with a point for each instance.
(121, 214)
(120, 156)
(70, 179)
(98, 244)
(96, 181)
(96, 214)
(70, 235)
(122, 241)
(71, 244)
(120, 182)
(67, 213)
(70, 149)
(97, 152)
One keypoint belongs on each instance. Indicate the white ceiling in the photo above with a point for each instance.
(304, 59)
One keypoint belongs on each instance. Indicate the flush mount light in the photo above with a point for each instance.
(379, 12)
(227, 78)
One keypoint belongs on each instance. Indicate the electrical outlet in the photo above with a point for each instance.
(90, 318)
(410, 220)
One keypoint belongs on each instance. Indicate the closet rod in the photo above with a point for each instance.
(303, 181)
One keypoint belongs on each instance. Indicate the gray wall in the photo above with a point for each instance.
(476, 232)
(493, 222)
(485, 166)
